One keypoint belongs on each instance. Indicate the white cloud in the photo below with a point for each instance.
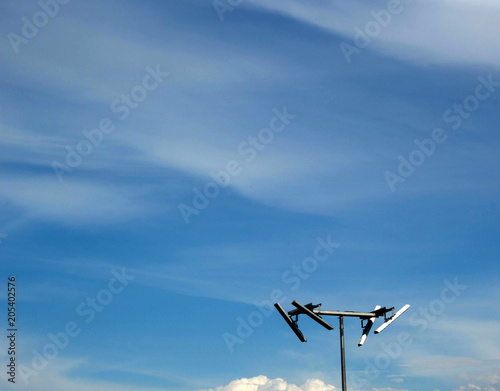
(485, 381)
(262, 383)
(322, 174)
(71, 202)
(386, 389)
(472, 387)
(455, 31)
(109, 63)
(53, 378)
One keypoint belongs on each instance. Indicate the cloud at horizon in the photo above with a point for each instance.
(262, 383)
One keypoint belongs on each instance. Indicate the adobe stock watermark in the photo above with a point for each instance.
(249, 149)
(454, 116)
(223, 6)
(121, 108)
(3, 236)
(392, 351)
(87, 311)
(30, 28)
(292, 278)
(380, 20)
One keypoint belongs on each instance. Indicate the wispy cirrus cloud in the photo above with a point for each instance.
(182, 127)
(41, 197)
(456, 32)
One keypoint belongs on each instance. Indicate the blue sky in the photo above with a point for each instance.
(261, 89)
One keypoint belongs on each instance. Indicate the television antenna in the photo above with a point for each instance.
(315, 312)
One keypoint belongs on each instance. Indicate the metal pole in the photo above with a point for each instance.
(342, 353)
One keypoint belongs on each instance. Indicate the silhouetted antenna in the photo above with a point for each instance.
(290, 322)
(315, 313)
(312, 315)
